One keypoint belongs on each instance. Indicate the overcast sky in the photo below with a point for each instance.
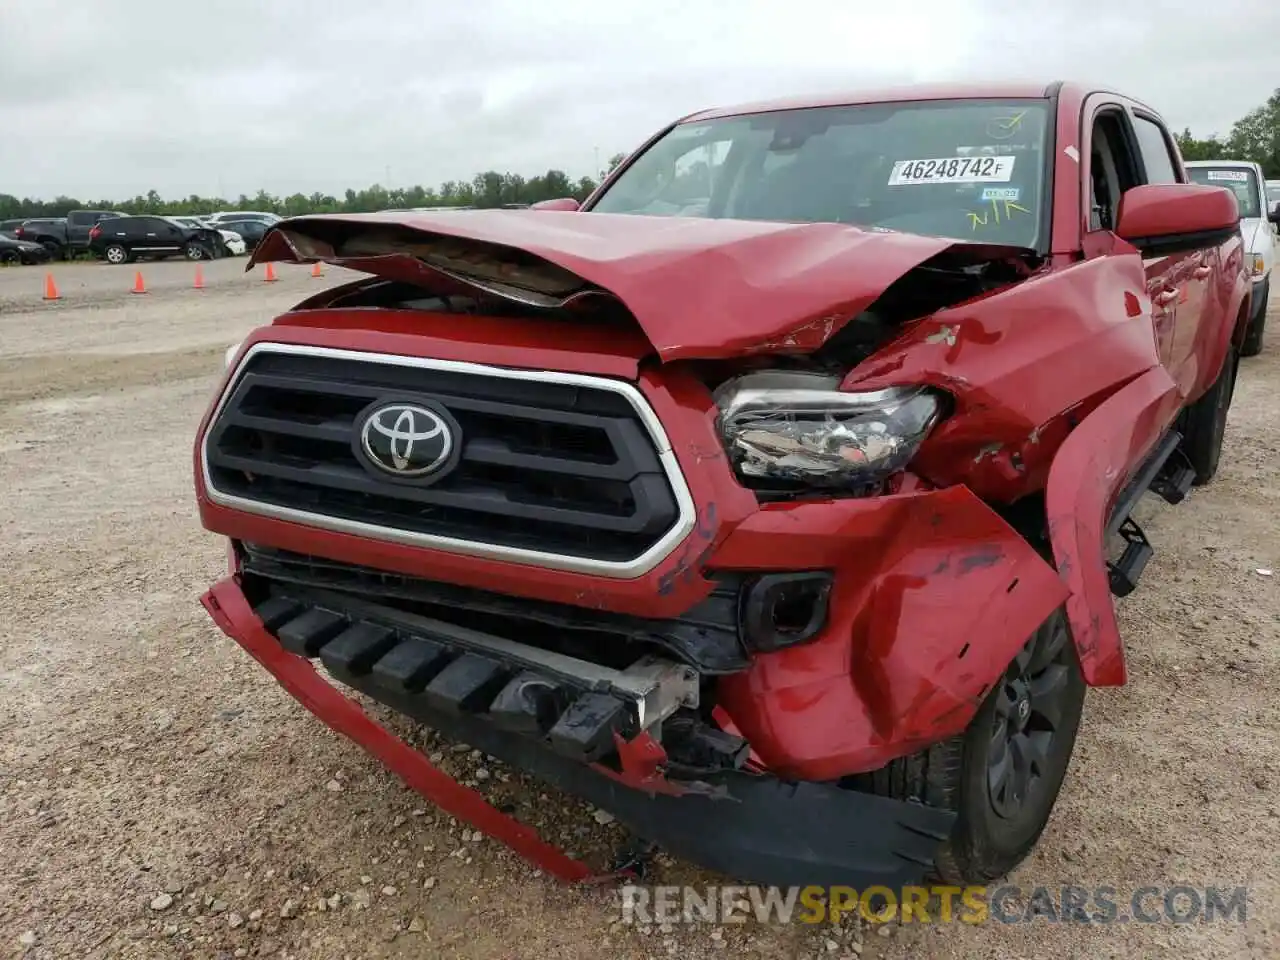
(107, 100)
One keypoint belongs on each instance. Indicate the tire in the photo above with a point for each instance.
(56, 251)
(9, 257)
(1204, 423)
(1037, 702)
(116, 254)
(196, 251)
(1252, 345)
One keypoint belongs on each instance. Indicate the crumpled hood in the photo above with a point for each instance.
(697, 287)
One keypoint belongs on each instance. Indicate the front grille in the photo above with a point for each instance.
(560, 467)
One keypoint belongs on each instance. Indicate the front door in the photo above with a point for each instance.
(1114, 167)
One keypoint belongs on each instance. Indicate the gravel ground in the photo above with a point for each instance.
(160, 796)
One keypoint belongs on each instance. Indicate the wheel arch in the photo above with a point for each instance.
(1087, 474)
(1239, 329)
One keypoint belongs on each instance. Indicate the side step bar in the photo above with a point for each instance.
(1168, 474)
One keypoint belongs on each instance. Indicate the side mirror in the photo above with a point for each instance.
(560, 203)
(1176, 216)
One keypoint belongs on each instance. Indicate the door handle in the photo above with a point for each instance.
(1165, 297)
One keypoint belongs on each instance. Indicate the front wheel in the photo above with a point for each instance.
(195, 251)
(9, 257)
(55, 249)
(1002, 775)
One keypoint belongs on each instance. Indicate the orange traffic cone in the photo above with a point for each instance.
(199, 284)
(138, 285)
(315, 269)
(271, 273)
(51, 288)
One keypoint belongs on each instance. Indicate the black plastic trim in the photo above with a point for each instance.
(748, 826)
(1182, 242)
(706, 636)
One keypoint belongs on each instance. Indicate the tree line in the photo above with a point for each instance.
(1255, 136)
(488, 189)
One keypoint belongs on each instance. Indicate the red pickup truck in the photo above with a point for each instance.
(774, 500)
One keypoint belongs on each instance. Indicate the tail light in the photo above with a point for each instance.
(95, 232)
(18, 233)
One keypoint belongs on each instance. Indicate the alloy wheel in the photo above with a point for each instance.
(1028, 720)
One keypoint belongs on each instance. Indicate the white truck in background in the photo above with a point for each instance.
(1259, 217)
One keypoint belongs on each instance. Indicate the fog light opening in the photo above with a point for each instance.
(784, 609)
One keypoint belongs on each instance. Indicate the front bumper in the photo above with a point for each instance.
(751, 826)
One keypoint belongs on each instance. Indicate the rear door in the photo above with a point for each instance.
(1198, 312)
(161, 238)
(125, 231)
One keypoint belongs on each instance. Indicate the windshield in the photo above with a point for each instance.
(1238, 180)
(967, 169)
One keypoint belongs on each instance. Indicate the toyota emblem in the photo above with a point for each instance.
(406, 440)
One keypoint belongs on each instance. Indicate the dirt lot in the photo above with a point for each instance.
(160, 796)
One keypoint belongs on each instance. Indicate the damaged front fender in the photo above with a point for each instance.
(933, 595)
(1090, 469)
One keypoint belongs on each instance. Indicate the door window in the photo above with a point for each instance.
(1157, 156)
(153, 228)
(1112, 169)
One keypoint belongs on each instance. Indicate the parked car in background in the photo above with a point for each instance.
(125, 239)
(64, 236)
(250, 230)
(226, 216)
(49, 232)
(20, 251)
(232, 243)
(1273, 197)
(1257, 224)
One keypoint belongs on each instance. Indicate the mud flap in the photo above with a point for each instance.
(1089, 471)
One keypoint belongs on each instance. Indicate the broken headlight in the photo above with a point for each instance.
(799, 427)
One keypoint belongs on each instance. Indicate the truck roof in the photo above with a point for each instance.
(991, 90)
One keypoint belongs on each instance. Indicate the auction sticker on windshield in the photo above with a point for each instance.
(952, 170)
(1236, 176)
